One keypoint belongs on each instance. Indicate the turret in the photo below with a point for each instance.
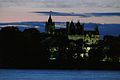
(79, 28)
(72, 28)
(50, 19)
(49, 26)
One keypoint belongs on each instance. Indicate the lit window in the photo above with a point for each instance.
(88, 48)
(82, 55)
(67, 48)
(52, 58)
(75, 56)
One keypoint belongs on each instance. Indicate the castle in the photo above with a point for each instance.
(74, 31)
(79, 39)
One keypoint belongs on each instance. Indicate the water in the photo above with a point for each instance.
(8, 74)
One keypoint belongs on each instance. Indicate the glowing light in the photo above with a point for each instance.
(82, 55)
(75, 56)
(52, 58)
(86, 54)
(67, 48)
(54, 49)
(88, 48)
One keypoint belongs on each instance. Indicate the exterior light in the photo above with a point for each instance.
(52, 58)
(54, 49)
(88, 48)
(75, 56)
(82, 55)
(86, 54)
(67, 48)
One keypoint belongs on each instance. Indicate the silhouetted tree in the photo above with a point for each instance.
(11, 44)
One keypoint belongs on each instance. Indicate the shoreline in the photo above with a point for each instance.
(100, 66)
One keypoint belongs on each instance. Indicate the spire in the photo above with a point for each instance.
(78, 24)
(50, 19)
(72, 28)
(50, 25)
(79, 28)
(72, 24)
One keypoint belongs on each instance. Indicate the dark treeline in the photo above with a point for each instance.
(32, 49)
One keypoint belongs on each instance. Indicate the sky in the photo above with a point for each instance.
(22, 10)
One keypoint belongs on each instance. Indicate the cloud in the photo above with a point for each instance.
(80, 15)
(60, 3)
(60, 14)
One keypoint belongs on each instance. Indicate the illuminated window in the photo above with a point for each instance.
(67, 48)
(88, 48)
(82, 55)
(86, 54)
(75, 56)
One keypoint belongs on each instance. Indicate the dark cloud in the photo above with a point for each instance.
(76, 14)
(60, 14)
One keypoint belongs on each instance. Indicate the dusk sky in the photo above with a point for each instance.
(22, 10)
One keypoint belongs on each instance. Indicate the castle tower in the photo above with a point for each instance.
(50, 19)
(75, 31)
(79, 28)
(49, 26)
(72, 28)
